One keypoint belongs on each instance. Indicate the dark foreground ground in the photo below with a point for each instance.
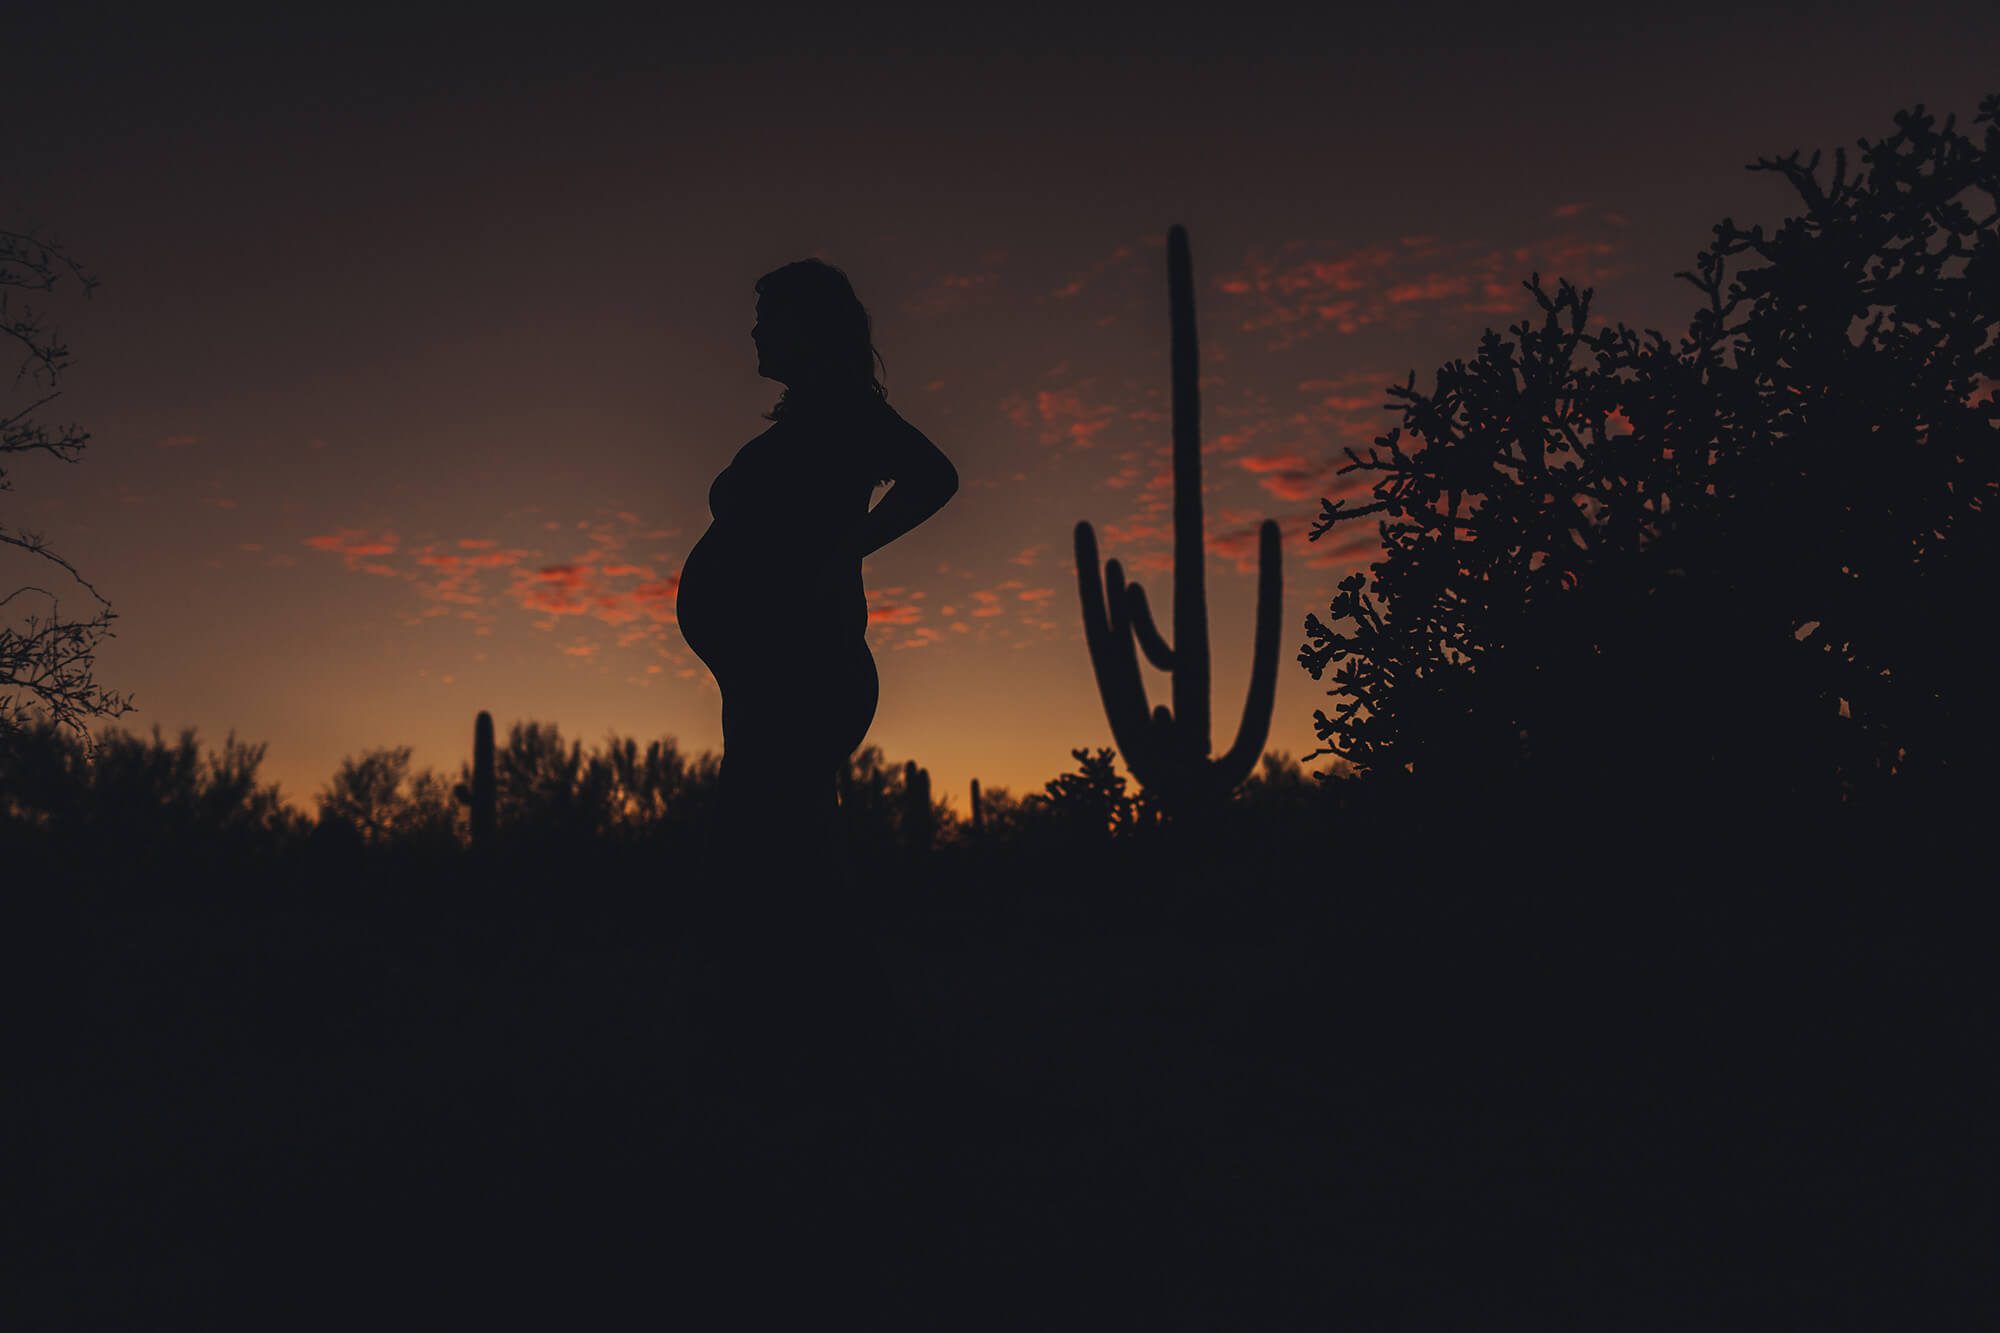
(1153, 1089)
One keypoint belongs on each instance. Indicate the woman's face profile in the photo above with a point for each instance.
(778, 339)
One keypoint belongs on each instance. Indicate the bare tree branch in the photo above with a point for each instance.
(47, 662)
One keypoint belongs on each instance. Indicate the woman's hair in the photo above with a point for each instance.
(835, 323)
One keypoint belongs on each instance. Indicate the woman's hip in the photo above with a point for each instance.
(830, 697)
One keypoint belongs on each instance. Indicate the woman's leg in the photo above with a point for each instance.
(787, 738)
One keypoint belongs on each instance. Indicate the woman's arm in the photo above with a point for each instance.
(923, 480)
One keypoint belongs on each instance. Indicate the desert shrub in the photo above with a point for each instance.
(1739, 567)
(130, 806)
(1090, 803)
(383, 802)
(879, 812)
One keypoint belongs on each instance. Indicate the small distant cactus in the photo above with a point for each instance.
(919, 820)
(978, 809)
(1167, 750)
(481, 794)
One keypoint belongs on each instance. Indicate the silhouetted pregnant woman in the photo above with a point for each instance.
(771, 597)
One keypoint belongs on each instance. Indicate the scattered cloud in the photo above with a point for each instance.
(599, 583)
(1295, 293)
(949, 293)
(1067, 414)
(1076, 282)
(355, 545)
(1288, 476)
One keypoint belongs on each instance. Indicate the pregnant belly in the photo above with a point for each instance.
(714, 608)
(735, 604)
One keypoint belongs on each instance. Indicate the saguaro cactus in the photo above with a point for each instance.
(1167, 750)
(483, 791)
(918, 822)
(978, 808)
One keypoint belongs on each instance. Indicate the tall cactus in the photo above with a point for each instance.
(919, 825)
(483, 790)
(978, 808)
(1167, 750)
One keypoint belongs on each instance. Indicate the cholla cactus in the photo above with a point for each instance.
(1167, 750)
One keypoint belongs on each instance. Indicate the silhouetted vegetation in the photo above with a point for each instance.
(47, 659)
(377, 800)
(1738, 569)
(1167, 749)
(121, 804)
(1092, 802)
(1546, 1003)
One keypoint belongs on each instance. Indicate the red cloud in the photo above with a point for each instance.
(582, 588)
(1062, 413)
(950, 292)
(587, 585)
(1136, 531)
(1289, 476)
(1079, 281)
(355, 541)
(1271, 463)
(1432, 287)
(555, 589)
(457, 574)
(1294, 295)
(355, 546)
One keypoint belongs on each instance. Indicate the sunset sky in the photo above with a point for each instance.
(417, 346)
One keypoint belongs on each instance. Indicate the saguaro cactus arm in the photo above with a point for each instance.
(1255, 728)
(1107, 633)
(1150, 641)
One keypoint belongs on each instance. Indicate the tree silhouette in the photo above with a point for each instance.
(382, 801)
(47, 660)
(1746, 562)
(547, 788)
(886, 809)
(1000, 817)
(121, 799)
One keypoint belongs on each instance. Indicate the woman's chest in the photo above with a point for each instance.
(786, 477)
